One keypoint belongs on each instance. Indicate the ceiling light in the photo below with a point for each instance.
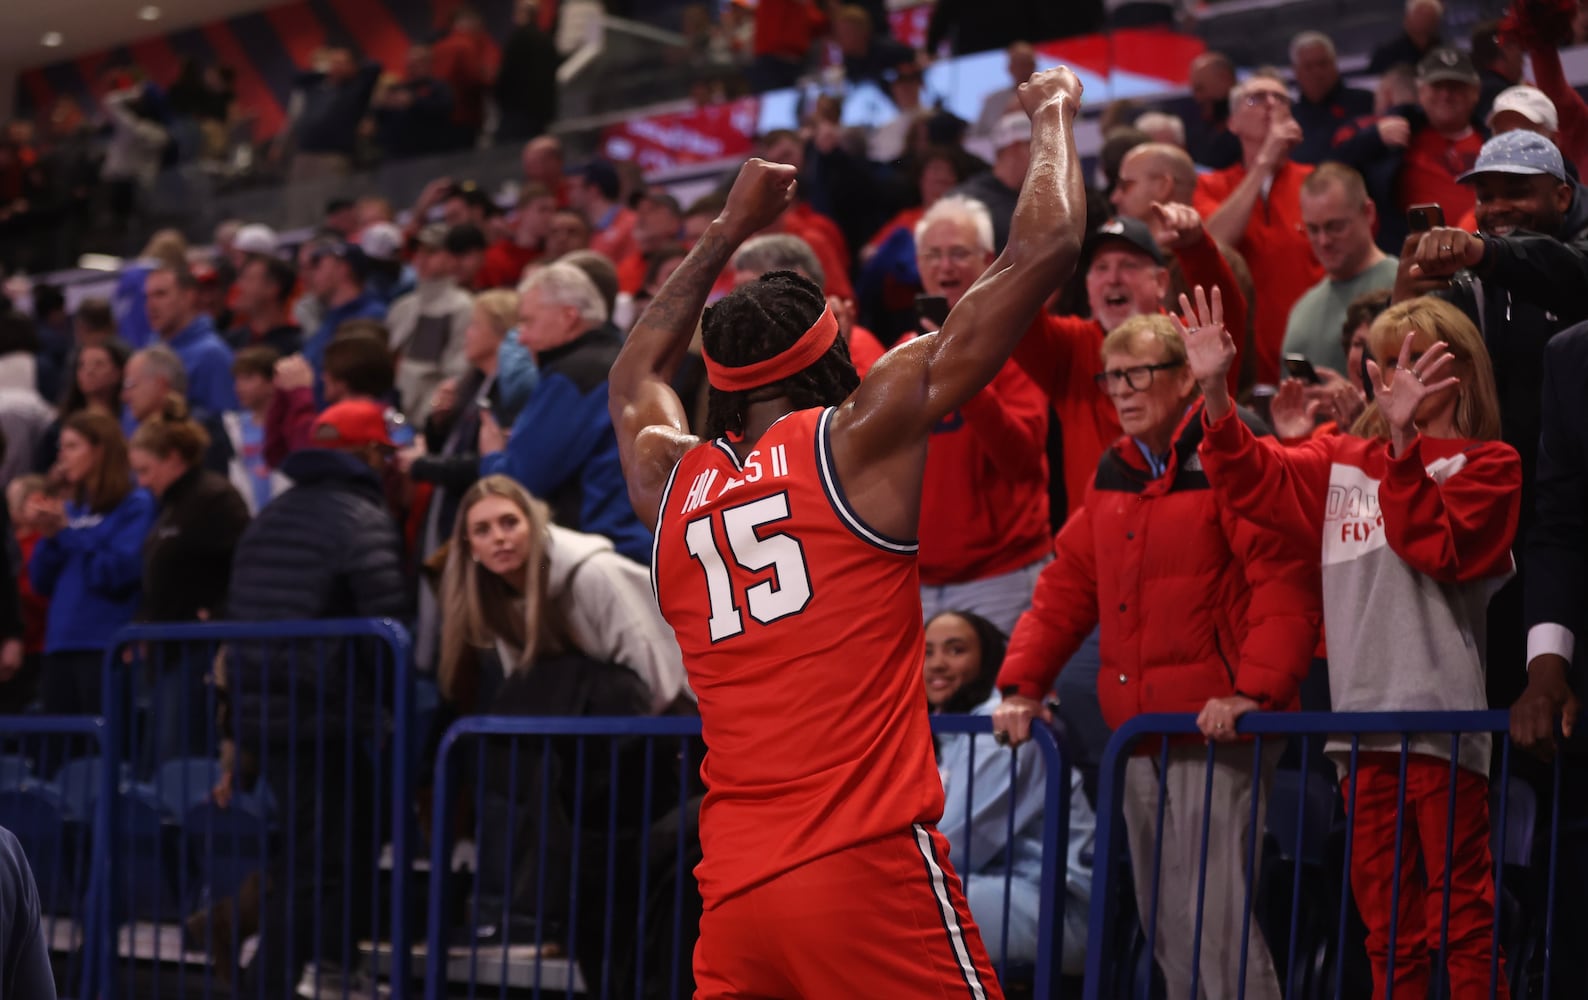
(52, 39)
(149, 13)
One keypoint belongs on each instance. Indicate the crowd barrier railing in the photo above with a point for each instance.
(64, 833)
(1400, 851)
(260, 779)
(563, 849)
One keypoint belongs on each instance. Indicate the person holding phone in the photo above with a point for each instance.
(1339, 219)
(984, 502)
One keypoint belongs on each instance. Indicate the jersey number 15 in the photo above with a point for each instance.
(787, 593)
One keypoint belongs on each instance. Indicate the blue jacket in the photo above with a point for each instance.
(366, 306)
(563, 450)
(92, 572)
(209, 366)
(130, 306)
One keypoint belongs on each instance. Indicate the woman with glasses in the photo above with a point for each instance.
(1199, 612)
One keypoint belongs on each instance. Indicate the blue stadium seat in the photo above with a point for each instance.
(148, 840)
(185, 782)
(78, 782)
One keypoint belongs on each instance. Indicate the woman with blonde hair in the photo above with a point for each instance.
(540, 620)
(1416, 518)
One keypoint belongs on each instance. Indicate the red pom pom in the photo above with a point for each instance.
(1542, 24)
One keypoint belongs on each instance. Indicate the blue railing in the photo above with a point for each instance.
(318, 717)
(623, 923)
(1316, 957)
(553, 952)
(68, 847)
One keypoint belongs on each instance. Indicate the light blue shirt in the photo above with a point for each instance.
(978, 799)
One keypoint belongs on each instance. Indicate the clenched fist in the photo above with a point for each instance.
(1051, 86)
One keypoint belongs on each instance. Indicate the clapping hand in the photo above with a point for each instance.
(1400, 392)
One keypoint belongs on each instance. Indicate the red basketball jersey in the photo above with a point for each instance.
(801, 630)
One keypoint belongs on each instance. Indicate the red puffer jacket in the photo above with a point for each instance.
(1193, 602)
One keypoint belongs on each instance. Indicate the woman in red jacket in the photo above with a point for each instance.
(1416, 510)
(1199, 612)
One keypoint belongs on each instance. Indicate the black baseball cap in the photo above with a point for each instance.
(1446, 63)
(1132, 232)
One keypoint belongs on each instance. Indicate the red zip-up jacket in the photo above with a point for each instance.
(1194, 603)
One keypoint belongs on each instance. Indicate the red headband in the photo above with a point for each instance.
(797, 357)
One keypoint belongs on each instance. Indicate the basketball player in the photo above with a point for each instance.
(785, 562)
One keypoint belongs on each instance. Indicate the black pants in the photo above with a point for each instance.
(70, 684)
(317, 905)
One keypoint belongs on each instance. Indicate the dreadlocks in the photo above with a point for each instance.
(757, 321)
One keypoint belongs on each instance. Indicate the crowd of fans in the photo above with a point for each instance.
(406, 415)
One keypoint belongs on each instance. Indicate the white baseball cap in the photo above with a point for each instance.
(1011, 128)
(256, 238)
(381, 241)
(1529, 102)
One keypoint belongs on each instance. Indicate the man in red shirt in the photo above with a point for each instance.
(1447, 145)
(984, 506)
(466, 60)
(594, 192)
(658, 221)
(784, 33)
(542, 163)
(1255, 206)
(525, 241)
(1413, 155)
(785, 561)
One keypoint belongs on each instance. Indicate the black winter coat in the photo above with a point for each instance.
(187, 558)
(327, 548)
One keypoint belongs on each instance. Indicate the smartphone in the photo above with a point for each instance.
(932, 307)
(1422, 218)
(1297, 366)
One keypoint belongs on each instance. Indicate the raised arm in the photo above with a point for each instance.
(650, 420)
(1228, 221)
(916, 385)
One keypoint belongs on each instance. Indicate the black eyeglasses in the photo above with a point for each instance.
(1139, 378)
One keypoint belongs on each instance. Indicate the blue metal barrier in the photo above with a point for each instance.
(67, 842)
(624, 922)
(261, 786)
(1313, 842)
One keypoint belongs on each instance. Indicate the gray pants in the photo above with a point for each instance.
(1224, 902)
(1000, 599)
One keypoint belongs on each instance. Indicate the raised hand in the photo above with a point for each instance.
(759, 195)
(1210, 351)
(1050, 86)
(1174, 226)
(1294, 409)
(1399, 393)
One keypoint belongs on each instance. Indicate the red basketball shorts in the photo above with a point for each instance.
(884, 919)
